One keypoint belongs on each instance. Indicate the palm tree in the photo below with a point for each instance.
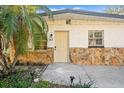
(18, 28)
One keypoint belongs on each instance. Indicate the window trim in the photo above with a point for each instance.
(96, 46)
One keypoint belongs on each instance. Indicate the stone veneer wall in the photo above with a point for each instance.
(97, 56)
(37, 57)
(85, 56)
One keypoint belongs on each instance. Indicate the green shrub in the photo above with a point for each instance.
(16, 81)
(24, 80)
(42, 84)
(4, 83)
(19, 80)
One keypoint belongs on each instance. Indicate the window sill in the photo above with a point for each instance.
(95, 46)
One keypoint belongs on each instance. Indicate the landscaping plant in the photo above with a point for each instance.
(19, 26)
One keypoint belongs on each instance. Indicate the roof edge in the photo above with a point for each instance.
(85, 12)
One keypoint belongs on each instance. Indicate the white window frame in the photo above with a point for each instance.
(94, 38)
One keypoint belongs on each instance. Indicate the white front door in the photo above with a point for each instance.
(61, 46)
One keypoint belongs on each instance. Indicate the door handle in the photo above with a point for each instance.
(55, 48)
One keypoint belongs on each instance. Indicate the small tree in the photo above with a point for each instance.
(116, 9)
(18, 25)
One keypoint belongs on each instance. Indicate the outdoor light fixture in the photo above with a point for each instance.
(72, 80)
(51, 37)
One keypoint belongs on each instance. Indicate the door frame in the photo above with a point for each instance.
(68, 57)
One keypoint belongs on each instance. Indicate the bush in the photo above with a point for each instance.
(4, 83)
(15, 81)
(42, 84)
(21, 80)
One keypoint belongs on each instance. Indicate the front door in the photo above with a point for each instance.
(61, 46)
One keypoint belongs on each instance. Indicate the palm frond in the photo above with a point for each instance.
(10, 25)
(46, 10)
(41, 24)
(27, 19)
(36, 25)
(21, 40)
(40, 31)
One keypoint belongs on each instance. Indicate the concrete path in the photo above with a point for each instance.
(103, 76)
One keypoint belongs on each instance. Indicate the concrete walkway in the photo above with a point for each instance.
(103, 76)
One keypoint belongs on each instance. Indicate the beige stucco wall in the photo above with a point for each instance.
(79, 53)
(78, 31)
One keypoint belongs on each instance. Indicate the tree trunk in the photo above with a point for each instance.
(8, 58)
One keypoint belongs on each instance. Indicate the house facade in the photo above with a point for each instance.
(84, 37)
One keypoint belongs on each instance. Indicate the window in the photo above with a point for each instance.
(68, 21)
(95, 38)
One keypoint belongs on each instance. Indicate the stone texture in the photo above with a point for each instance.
(37, 57)
(97, 56)
(85, 56)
